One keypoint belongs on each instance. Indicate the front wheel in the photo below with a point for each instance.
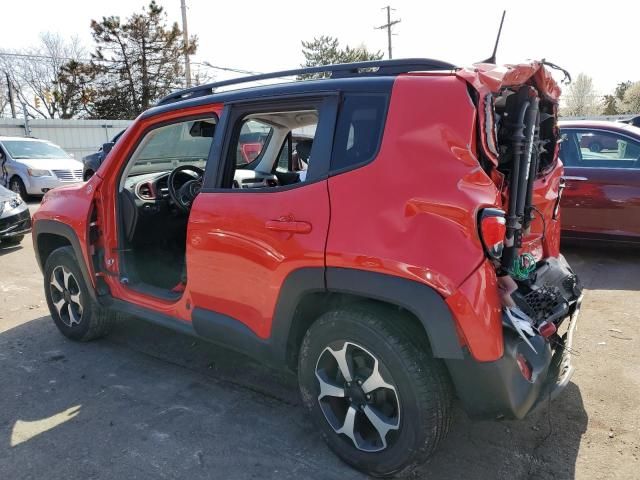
(73, 310)
(17, 186)
(380, 400)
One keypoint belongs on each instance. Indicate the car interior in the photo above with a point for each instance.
(164, 175)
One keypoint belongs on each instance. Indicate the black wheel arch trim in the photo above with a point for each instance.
(65, 231)
(419, 299)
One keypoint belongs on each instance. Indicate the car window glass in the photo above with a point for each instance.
(270, 149)
(359, 130)
(167, 147)
(22, 149)
(600, 148)
(254, 136)
(569, 151)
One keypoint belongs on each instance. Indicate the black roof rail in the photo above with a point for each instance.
(341, 70)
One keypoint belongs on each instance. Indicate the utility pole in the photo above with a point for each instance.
(13, 106)
(388, 26)
(185, 34)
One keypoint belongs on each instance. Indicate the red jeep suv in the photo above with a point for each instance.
(406, 252)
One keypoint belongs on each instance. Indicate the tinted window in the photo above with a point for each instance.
(599, 148)
(359, 130)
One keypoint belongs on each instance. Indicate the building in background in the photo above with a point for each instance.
(78, 137)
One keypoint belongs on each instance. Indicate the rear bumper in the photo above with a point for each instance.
(498, 389)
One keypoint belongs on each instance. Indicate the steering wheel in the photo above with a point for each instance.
(184, 195)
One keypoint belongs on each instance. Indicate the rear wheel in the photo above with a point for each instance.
(17, 185)
(73, 310)
(380, 400)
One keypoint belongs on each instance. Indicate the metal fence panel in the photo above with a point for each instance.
(78, 137)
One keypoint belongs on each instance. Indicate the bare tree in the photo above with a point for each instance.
(581, 98)
(4, 96)
(35, 73)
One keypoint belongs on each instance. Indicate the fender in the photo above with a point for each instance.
(419, 299)
(65, 231)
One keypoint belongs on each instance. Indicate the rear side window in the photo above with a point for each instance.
(358, 130)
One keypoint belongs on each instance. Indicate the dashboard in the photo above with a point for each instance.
(153, 187)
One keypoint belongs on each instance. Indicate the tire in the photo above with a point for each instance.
(12, 240)
(79, 317)
(413, 396)
(595, 147)
(17, 185)
(88, 174)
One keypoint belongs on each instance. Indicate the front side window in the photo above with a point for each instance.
(601, 148)
(170, 146)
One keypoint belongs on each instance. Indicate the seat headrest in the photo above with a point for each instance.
(303, 148)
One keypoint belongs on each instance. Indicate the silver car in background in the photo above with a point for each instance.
(32, 167)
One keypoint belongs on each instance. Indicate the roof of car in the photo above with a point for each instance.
(28, 139)
(370, 76)
(604, 124)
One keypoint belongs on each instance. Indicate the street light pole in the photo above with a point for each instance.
(185, 34)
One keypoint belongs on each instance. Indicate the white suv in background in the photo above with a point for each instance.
(32, 167)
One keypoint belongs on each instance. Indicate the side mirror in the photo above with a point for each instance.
(106, 147)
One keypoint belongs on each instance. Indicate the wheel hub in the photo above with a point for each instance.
(355, 394)
(357, 397)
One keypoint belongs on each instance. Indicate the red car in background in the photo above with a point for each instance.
(601, 199)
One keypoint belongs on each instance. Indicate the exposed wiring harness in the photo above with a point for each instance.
(523, 265)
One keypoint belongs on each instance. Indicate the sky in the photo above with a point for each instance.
(265, 35)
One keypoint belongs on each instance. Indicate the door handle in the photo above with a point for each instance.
(575, 179)
(289, 226)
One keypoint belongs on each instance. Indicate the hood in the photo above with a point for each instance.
(52, 163)
(6, 194)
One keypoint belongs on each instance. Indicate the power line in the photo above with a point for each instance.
(390, 23)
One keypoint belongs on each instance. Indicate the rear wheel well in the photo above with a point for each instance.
(47, 243)
(312, 305)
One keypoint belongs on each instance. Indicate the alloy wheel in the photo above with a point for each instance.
(66, 296)
(355, 398)
(15, 187)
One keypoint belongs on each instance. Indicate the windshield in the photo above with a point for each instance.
(36, 150)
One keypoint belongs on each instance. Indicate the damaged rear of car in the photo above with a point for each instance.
(539, 295)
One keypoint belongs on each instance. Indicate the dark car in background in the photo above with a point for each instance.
(92, 162)
(15, 220)
(601, 199)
